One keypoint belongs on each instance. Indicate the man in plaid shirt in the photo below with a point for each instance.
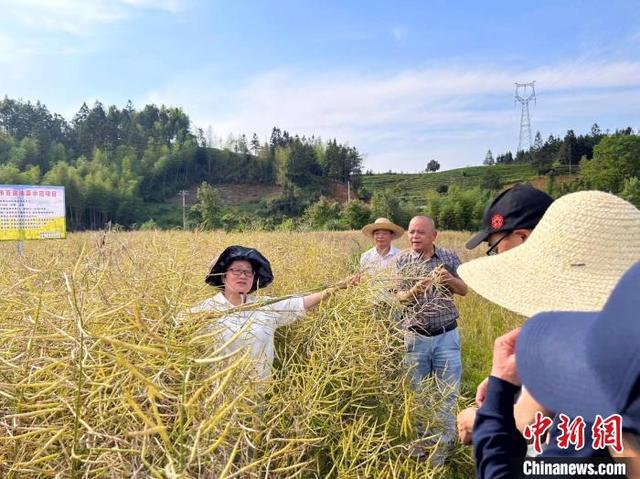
(430, 321)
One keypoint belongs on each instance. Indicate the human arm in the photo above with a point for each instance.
(450, 275)
(466, 417)
(455, 285)
(312, 300)
(465, 420)
(295, 307)
(417, 289)
(525, 410)
(497, 442)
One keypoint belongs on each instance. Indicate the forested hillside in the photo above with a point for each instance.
(127, 166)
(113, 161)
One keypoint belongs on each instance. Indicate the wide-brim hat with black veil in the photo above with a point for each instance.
(262, 268)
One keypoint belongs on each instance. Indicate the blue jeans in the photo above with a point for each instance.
(438, 356)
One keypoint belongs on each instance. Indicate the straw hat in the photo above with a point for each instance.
(383, 224)
(571, 261)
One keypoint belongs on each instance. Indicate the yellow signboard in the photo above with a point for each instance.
(32, 212)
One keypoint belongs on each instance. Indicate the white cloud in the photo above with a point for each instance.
(448, 110)
(78, 17)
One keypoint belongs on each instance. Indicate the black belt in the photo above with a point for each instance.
(425, 332)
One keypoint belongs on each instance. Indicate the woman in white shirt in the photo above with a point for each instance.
(239, 271)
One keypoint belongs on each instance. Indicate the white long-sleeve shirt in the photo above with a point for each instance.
(373, 262)
(255, 327)
(383, 269)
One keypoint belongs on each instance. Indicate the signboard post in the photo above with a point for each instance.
(31, 212)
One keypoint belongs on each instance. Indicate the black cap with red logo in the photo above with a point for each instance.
(519, 207)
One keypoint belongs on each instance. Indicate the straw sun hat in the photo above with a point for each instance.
(383, 224)
(571, 261)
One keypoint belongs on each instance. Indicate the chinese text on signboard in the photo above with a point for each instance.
(32, 212)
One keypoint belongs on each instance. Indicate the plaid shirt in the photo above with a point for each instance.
(432, 311)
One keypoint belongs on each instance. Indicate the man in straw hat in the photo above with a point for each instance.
(571, 261)
(506, 224)
(383, 254)
(430, 321)
(583, 365)
(237, 272)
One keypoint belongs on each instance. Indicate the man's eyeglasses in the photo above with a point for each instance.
(492, 247)
(241, 272)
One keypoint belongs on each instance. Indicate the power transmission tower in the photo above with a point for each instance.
(525, 92)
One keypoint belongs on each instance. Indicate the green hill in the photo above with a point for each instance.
(413, 186)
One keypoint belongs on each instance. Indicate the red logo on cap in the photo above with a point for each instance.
(497, 221)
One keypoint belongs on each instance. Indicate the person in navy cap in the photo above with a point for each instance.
(511, 218)
(583, 365)
(506, 224)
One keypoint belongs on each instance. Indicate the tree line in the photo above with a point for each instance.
(607, 161)
(557, 153)
(113, 161)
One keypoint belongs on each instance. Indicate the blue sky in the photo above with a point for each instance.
(403, 81)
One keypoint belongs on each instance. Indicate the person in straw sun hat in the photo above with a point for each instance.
(583, 365)
(570, 262)
(383, 254)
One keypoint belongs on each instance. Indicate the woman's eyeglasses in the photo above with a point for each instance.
(238, 273)
(492, 248)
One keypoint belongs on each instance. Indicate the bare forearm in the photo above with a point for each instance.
(312, 300)
(457, 286)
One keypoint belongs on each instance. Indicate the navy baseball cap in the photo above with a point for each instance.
(520, 206)
(587, 364)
